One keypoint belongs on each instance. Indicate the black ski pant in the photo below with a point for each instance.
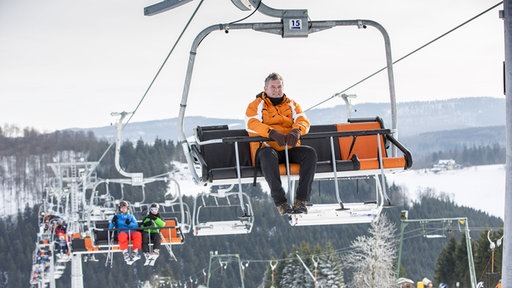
(269, 160)
(148, 238)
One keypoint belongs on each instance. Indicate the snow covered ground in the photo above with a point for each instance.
(479, 187)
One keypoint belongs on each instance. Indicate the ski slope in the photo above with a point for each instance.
(479, 187)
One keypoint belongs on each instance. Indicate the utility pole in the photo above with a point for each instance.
(506, 269)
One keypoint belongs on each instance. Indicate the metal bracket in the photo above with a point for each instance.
(163, 6)
(295, 23)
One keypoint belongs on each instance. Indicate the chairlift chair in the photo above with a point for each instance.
(224, 215)
(356, 148)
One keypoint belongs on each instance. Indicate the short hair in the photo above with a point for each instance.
(273, 76)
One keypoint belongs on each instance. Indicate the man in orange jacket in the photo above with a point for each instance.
(272, 114)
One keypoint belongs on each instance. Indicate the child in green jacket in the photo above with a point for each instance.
(153, 221)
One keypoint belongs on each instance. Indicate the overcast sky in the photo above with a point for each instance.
(70, 64)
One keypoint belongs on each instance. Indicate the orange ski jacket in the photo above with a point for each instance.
(262, 116)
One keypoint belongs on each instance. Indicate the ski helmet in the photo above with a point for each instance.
(154, 205)
(123, 203)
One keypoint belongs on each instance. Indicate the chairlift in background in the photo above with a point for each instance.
(221, 213)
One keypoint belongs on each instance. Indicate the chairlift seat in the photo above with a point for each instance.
(233, 219)
(171, 233)
(230, 227)
(344, 151)
(367, 147)
(351, 152)
(331, 214)
(102, 238)
(218, 160)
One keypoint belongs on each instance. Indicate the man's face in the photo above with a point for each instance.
(274, 89)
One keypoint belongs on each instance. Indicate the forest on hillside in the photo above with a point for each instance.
(272, 237)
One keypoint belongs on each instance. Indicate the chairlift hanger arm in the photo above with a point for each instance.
(277, 28)
(244, 5)
(163, 6)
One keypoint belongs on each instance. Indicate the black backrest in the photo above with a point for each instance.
(323, 145)
(220, 155)
(101, 232)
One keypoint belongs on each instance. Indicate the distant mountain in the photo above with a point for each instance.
(414, 118)
(429, 142)
(424, 127)
(166, 129)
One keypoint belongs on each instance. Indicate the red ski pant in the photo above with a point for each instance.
(135, 237)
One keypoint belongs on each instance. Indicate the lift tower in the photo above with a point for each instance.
(462, 221)
(74, 178)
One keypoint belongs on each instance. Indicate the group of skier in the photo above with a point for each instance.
(128, 230)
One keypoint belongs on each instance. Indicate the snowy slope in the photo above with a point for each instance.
(479, 187)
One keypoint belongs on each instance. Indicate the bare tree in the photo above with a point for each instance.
(371, 257)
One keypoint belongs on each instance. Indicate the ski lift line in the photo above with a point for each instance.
(406, 55)
(165, 61)
(461, 221)
(154, 78)
(338, 251)
(484, 269)
(247, 17)
(266, 262)
(307, 269)
(417, 235)
(472, 228)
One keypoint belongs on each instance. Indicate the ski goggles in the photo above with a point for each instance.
(153, 209)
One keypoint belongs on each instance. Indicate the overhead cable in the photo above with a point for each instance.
(407, 55)
(156, 76)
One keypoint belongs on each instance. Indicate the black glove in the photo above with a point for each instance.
(293, 137)
(127, 221)
(114, 219)
(147, 224)
(278, 137)
(152, 216)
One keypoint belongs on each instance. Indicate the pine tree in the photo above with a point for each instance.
(445, 266)
(322, 264)
(329, 270)
(461, 266)
(371, 258)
